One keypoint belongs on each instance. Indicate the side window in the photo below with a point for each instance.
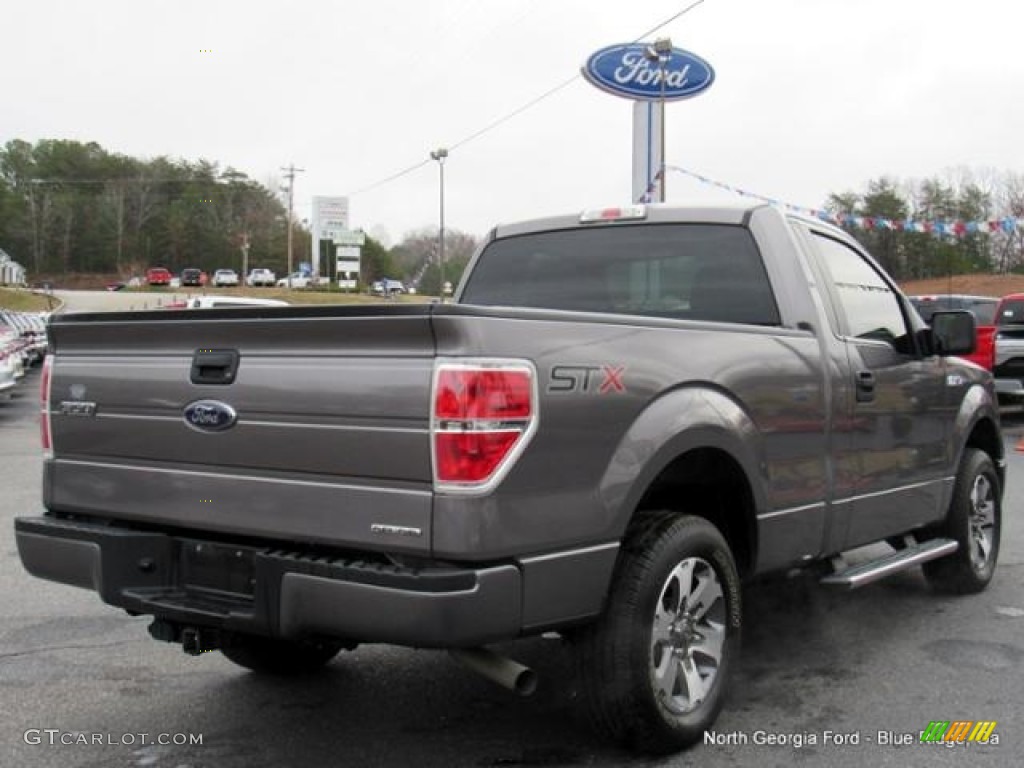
(871, 307)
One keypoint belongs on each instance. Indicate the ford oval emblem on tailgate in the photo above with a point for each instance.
(210, 416)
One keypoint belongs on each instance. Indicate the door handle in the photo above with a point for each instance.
(865, 386)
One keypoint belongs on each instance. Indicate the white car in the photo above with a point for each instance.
(224, 277)
(11, 366)
(7, 376)
(387, 287)
(300, 280)
(296, 280)
(215, 302)
(265, 277)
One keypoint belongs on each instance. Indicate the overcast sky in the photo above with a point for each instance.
(810, 96)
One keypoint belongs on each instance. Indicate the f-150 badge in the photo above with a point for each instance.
(77, 408)
(210, 416)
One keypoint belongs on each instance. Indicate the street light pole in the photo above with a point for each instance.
(661, 52)
(440, 155)
(292, 170)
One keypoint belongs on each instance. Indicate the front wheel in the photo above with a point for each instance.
(654, 668)
(974, 521)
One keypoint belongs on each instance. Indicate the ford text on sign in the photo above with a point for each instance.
(627, 70)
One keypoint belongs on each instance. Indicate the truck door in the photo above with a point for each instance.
(895, 423)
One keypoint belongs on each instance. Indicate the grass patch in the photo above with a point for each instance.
(21, 300)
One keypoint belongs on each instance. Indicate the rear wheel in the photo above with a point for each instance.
(277, 656)
(974, 521)
(654, 668)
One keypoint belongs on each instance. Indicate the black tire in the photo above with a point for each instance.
(974, 521)
(277, 656)
(667, 558)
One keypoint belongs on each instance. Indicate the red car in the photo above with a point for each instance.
(158, 276)
(984, 310)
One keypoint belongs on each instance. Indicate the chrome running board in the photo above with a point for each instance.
(864, 573)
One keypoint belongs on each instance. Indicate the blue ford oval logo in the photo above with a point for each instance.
(627, 70)
(210, 416)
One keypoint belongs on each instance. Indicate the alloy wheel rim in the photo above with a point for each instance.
(688, 636)
(982, 521)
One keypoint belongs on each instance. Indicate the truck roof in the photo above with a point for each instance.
(652, 213)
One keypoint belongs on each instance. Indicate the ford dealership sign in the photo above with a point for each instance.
(627, 70)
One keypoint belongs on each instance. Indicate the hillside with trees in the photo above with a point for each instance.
(966, 223)
(69, 207)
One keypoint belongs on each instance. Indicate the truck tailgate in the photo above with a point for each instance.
(330, 443)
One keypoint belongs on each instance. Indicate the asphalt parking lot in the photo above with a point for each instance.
(862, 668)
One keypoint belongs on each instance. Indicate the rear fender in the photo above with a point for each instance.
(679, 421)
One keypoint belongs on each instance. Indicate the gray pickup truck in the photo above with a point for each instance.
(622, 416)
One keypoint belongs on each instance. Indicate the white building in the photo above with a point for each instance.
(11, 272)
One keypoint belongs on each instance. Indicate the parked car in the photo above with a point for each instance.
(1009, 348)
(8, 379)
(261, 277)
(220, 302)
(387, 287)
(300, 280)
(984, 310)
(14, 349)
(158, 276)
(11, 366)
(191, 276)
(30, 340)
(225, 277)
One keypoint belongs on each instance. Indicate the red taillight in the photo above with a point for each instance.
(483, 394)
(484, 412)
(471, 457)
(44, 416)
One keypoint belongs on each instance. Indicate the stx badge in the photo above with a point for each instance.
(602, 379)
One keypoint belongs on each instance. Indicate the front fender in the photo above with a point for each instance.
(977, 423)
(681, 420)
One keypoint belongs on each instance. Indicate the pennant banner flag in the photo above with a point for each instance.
(956, 228)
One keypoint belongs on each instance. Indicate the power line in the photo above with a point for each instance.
(519, 110)
(668, 21)
(515, 113)
(130, 180)
(392, 177)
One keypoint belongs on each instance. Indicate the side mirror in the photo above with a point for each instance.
(953, 333)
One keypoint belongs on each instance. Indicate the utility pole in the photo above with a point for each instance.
(290, 175)
(245, 258)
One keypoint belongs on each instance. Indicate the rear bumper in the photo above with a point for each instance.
(196, 582)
